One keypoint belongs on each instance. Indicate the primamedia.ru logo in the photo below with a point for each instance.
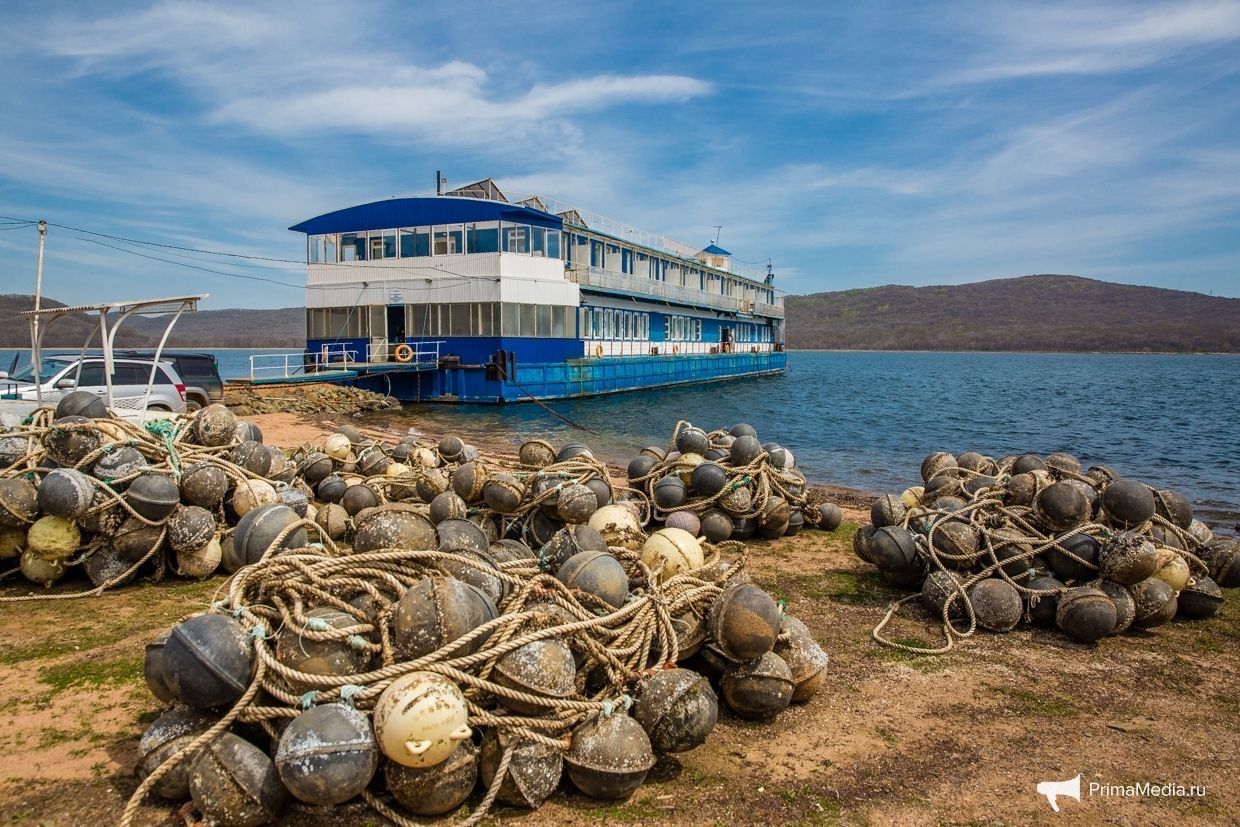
(1146, 789)
(1056, 791)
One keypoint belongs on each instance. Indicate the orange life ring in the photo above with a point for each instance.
(675, 349)
(598, 350)
(403, 353)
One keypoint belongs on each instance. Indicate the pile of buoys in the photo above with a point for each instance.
(432, 659)
(82, 490)
(993, 544)
(405, 622)
(727, 484)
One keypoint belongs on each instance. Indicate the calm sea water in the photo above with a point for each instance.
(866, 420)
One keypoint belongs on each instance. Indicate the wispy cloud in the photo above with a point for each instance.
(1040, 39)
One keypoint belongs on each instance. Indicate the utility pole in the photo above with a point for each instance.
(34, 326)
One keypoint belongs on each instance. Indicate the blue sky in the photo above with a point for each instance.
(853, 144)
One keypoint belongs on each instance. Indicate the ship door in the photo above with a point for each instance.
(725, 339)
(396, 323)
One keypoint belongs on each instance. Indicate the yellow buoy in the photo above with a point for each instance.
(420, 718)
(53, 538)
(670, 551)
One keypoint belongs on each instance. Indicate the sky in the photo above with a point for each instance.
(852, 144)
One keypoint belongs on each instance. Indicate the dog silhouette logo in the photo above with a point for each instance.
(1053, 789)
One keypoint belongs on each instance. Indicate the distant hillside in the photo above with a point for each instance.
(1045, 312)
(285, 327)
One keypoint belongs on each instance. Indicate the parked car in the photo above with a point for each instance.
(199, 371)
(63, 373)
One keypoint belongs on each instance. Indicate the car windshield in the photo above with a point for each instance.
(26, 372)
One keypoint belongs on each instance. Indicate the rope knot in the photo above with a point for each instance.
(259, 632)
(317, 624)
(307, 700)
(357, 643)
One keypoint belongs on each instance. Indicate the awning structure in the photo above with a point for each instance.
(40, 320)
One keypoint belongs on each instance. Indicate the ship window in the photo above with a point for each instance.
(314, 249)
(458, 319)
(529, 317)
(353, 247)
(559, 321)
(482, 238)
(449, 240)
(516, 239)
(553, 244)
(329, 248)
(376, 247)
(584, 323)
(538, 241)
(544, 320)
(596, 253)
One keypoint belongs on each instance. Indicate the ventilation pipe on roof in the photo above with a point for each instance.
(438, 182)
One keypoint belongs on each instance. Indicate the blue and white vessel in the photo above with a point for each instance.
(466, 296)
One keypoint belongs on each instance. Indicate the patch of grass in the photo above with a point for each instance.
(97, 622)
(814, 808)
(630, 811)
(887, 735)
(52, 736)
(700, 777)
(121, 670)
(1040, 704)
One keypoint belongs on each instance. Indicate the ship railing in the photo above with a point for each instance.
(644, 238)
(424, 352)
(594, 277)
(332, 356)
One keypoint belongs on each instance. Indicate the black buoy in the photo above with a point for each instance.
(208, 661)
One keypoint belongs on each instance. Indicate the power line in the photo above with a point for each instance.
(155, 243)
(192, 266)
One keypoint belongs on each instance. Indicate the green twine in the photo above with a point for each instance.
(167, 430)
(348, 691)
(609, 706)
(307, 700)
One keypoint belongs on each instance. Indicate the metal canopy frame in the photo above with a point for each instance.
(41, 319)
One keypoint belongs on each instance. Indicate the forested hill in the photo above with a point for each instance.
(1045, 312)
(285, 327)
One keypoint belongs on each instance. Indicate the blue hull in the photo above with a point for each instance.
(570, 379)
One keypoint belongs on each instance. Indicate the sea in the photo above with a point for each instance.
(866, 419)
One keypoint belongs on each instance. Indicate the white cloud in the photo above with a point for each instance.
(450, 103)
(285, 75)
(1038, 40)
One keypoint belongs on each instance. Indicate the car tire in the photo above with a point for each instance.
(192, 405)
(158, 407)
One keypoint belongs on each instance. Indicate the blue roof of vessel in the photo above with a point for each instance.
(716, 250)
(423, 212)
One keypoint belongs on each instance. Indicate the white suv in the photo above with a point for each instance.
(60, 375)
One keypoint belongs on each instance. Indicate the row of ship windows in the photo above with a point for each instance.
(439, 240)
(580, 250)
(508, 319)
